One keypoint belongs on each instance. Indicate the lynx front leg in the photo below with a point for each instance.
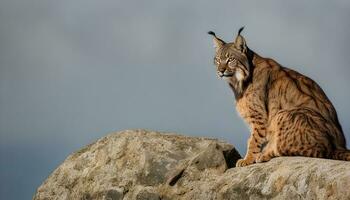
(254, 148)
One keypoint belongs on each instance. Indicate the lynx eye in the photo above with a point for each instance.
(231, 60)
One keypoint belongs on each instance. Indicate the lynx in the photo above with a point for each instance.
(287, 112)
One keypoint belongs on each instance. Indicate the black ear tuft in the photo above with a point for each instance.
(212, 33)
(240, 30)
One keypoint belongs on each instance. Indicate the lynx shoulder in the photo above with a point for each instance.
(288, 113)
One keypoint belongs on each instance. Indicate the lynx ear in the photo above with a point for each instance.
(240, 42)
(218, 43)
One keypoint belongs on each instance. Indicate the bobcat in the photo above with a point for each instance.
(288, 113)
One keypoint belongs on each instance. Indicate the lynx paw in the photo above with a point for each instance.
(243, 162)
(263, 158)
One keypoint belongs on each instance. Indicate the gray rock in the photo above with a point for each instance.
(145, 195)
(146, 165)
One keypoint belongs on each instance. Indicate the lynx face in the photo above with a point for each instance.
(231, 61)
(228, 66)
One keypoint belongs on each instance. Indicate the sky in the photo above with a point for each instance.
(72, 71)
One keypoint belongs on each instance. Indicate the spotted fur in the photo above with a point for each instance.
(288, 113)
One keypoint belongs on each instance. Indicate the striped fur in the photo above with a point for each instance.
(288, 113)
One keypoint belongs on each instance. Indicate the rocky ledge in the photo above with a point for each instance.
(147, 165)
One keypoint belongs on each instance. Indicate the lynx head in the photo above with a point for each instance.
(231, 60)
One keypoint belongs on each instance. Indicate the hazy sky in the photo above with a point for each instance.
(72, 71)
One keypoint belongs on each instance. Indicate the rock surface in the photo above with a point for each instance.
(146, 165)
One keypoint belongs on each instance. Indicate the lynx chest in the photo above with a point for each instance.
(251, 105)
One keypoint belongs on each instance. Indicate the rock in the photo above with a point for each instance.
(146, 165)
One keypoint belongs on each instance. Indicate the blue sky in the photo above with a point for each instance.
(74, 71)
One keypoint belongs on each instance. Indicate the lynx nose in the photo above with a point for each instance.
(221, 74)
(221, 71)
